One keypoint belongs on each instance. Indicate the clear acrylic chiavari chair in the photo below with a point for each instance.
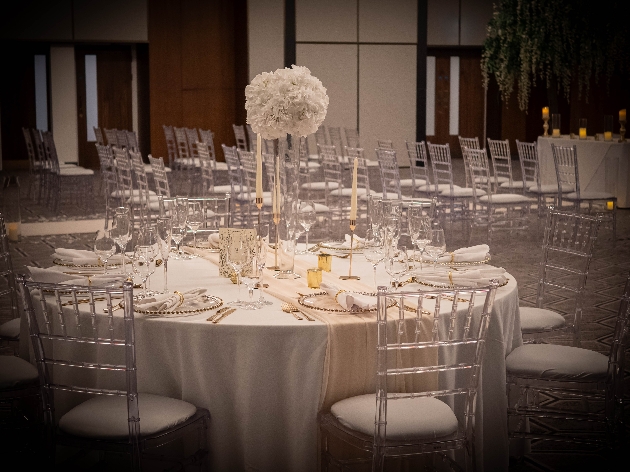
(385, 144)
(239, 136)
(321, 138)
(502, 166)
(35, 167)
(160, 177)
(252, 138)
(112, 137)
(390, 175)
(113, 197)
(121, 138)
(82, 350)
(98, 133)
(419, 168)
(171, 145)
(430, 347)
(9, 330)
(336, 140)
(352, 138)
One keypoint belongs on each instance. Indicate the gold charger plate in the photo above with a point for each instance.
(59, 262)
(204, 245)
(211, 302)
(337, 246)
(322, 301)
(458, 264)
(454, 286)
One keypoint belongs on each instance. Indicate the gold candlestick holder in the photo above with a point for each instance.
(353, 225)
(276, 221)
(622, 131)
(546, 126)
(259, 204)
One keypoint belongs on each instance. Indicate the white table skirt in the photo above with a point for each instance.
(604, 166)
(259, 373)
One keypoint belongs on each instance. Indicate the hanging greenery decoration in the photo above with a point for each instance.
(557, 41)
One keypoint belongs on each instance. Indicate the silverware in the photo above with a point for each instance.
(315, 248)
(220, 311)
(290, 308)
(119, 306)
(224, 315)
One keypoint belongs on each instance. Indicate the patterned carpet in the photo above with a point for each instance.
(518, 253)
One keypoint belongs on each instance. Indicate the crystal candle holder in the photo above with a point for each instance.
(555, 125)
(582, 128)
(608, 127)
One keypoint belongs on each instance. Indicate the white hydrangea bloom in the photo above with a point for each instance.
(287, 101)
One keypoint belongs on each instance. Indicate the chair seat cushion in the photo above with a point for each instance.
(460, 192)
(15, 372)
(554, 362)
(127, 193)
(539, 319)
(409, 182)
(589, 196)
(507, 198)
(149, 170)
(319, 185)
(347, 192)
(75, 171)
(515, 184)
(227, 188)
(431, 187)
(407, 418)
(550, 188)
(10, 329)
(106, 416)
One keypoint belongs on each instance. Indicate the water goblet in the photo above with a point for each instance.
(396, 264)
(164, 233)
(142, 263)
(307, 217)
(104, 246)
(262, 246)
(373, 250)
(194, 220)
(238, 255)
(181, 210)
(251, 278)
(437, 246)
(121, 232)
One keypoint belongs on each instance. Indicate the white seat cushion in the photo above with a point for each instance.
(431, 187)
(127, 193)
(106, 416)
(554, 362)
(538, 319)
(227, 188)
(550, 188)
(460, 192)
(589, 196)
(72, 171)
(409, 182)
(407, 418)
(222, 166)
(10, 329)
(15, 372)
(515, 184)
(149, 170)
(347, 192)
(319, 185)
(507, 198)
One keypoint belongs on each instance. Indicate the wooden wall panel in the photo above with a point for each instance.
(471, 95)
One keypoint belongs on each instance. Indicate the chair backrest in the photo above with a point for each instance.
(38, 146)
(99, 136)
(335, 139)
(112, 137)
(181, 141)
(441, 165)
(30, 150)
(50, 150)
(252, 138)
(239, 136)
(171, 144)
(321, 138)
(418, 163)
(124, 172)
(207, 169)
(108, 170)
(207, 137)
(501, 160)
(331, 165)
(8, 286)
(67, 326)
(567, 252)
(121, 138)
(566, 162)
(455, 322)
(385, 144)
(478, 166)
(390, 175)
(234, 169)
(472, 143)
(352, 138)
(248, 172)
(132, 141)
(363, 173)
(620, 340)
(192, 137)
(216, 212)
(159, 176)
(530, 166)
(268, 163)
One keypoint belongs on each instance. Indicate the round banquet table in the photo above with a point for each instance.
(261, 373)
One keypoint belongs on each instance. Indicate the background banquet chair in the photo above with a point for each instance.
(133, 199)
(411, 419)
(132, 141)
(109, 181)
(185, 163)
(384, 144)
(334, 197)
(98, 133)
(573, 377)
(419, 183)
(121, 138)
(251, 136)
(247, 197)
(568, 176)
(147, 199)
(112, 137)
(321, 137)
(390, 175)
(116, 417)
(496, 211)
(9, 330)
(335, 140)
(237, 189)
(473, 143)
(160, 177)
(36, 167)
(239, 136)
(316, 186)
(502, 167)
(216, 214)
(567, 252)
(352, 137)
(206, 136)
(171, 145)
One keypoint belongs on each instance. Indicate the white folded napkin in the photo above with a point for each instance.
(465, 254)
(188, 300)
(80, 257)
(350, 300)
(56, 276)
(355, 243)
(467, 278)
(213, 239)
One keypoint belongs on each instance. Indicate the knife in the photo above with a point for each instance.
(220, 311)
(223, 315)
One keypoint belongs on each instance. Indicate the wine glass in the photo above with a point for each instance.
(307, 217)
(418, 224)
(437, 246)
(142, 263)
(396, 263)
(375, 212)
(194, 220)
(251, 277)
(104, 246)
(164, 233)
(262, 246)
(373, 250)
(238, 255)
(121, 231)
(391, 229)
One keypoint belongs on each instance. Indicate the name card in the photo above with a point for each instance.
(228, 237)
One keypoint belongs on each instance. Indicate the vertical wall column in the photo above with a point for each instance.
(63, 86)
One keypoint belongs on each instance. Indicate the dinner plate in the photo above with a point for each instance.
(322, 301)
(339, 246)
(457, 264)
(204, 245)
(211, 302)
(59, 262)
(418, 280)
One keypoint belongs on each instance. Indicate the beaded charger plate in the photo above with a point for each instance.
(458, 264)
(205, 245)
(59, 262)
(339, 247)
(322, 301)
(210, 302)
(418, 280)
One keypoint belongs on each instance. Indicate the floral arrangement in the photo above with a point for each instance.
(287, 101)
(561, 42)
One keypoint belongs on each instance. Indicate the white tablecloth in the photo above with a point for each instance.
(260, 372)
(604, 166)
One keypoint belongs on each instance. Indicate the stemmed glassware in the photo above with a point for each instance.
(195, 219)
(121, 232)
(396, 263)
(142, 262)
(376, 213)
(373, 250)
(437, 246)
(262, 245)
(307, 217)
(251, 278)
(104, 246)
(179, 215)
(391, 229)
(238, 255)
(419, 225)
(164, 232)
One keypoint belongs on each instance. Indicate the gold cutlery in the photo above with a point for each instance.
(220, 311)
(224, 315)
(119, 306)
(287, 309)
(290, 308)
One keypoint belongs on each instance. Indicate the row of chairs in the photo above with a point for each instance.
(117, 137)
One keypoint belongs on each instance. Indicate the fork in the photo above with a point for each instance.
(290, 308)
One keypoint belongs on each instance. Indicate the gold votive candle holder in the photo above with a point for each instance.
(610, 205)
(324, 262)
(314, 277)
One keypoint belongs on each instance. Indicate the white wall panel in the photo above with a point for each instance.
(110, 20)
(41, 92)
(443, 22)
(475, 16)
(63, 87)
(336, 66)
(430, 128)
(387, 97)
(326, 20)
(265, 22)
(453, 112)
(394, 21)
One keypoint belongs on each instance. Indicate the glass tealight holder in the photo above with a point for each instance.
(324, 262)
(582, 128)
(314, 277)
(608, 127)
(555, 125)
